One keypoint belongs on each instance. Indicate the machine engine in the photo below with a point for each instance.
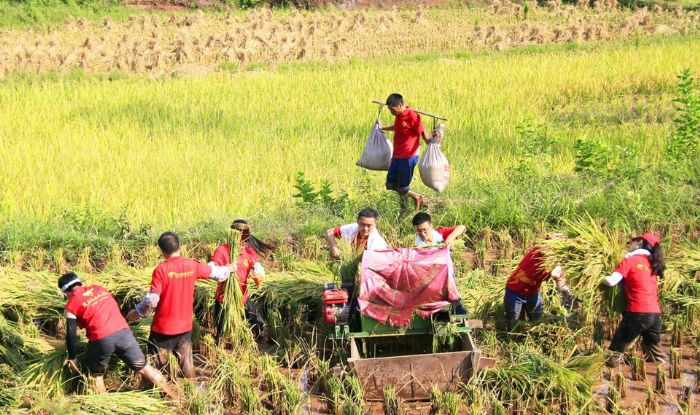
(336, 308)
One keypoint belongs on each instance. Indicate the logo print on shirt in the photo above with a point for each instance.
(173, 274)
(404, 124)
(642, 266)
(88, 293)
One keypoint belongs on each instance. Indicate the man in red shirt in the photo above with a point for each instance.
(172, 296)
(522, 295)
(248, 262)
(94, 309)
(427, 235)
(639, 272)
(407, 128)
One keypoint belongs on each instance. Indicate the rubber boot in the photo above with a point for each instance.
(653, 353)
(157, 379)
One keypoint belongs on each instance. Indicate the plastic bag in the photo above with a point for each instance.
(433, 166)
(378, 150)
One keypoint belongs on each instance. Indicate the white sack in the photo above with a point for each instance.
(433, 166)
(377, 152)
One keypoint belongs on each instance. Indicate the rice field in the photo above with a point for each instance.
(560, 117)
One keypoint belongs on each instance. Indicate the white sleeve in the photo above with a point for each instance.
(68, 314)
(258, 269)
(613, 279)
(349, 231)
(218, 273)
(148, 304)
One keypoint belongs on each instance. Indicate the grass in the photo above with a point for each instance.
(113, 128)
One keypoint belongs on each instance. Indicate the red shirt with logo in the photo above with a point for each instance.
(407, 130)
(96, 311)
(173, 280)
(639, 284)
(247, 257)
(529, 274)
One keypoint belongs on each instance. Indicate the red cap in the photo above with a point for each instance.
(652, 239)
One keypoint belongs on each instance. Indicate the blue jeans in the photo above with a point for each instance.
(515, 303)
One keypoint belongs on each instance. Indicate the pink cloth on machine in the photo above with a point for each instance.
(396, 283)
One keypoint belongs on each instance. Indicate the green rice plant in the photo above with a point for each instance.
(639, 371)
(675, 364)
(291, 397)
(677, 333)
(9, 387)
(473, 398)
(452, 403)
(173, 368)
(334, 395)
(685, 405)
(393, 404)
(355, 401)
(660, 387)
(621, 383)
(612, 400)
(436, 401)
(497, 407)
(651, 404)
(195, 401)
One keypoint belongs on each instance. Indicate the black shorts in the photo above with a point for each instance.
(161, 345)
(121, 343)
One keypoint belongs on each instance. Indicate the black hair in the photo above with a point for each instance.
(658, 266)
(420, 218)
(66, 278)
(394, 100)
(368, 213)
(169, 243)
(259, 246)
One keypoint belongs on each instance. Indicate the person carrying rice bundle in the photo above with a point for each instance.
(638, 272)
(362, 235)
(247, 263)
(522, 292)
(172, 297)
(408, 129)
(94, 309)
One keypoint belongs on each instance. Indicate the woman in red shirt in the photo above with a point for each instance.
(248, 262)
(638, 272)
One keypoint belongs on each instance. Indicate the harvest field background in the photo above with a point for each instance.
(118, 124)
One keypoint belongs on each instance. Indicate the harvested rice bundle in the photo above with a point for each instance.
(590, 254)
(125, 403)
(235, 328)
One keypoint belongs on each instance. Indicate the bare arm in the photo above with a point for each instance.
(332, 247)
(456, 233)
(387, 127)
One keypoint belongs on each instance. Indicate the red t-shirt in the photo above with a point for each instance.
(445, 231)
(359, 243)
(529, 274)
(639, 284)
(246, 259)
(407, 130)
(97, 311)
(173, 280)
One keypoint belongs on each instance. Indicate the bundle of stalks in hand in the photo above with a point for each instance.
(591, 253)
(235, 329)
